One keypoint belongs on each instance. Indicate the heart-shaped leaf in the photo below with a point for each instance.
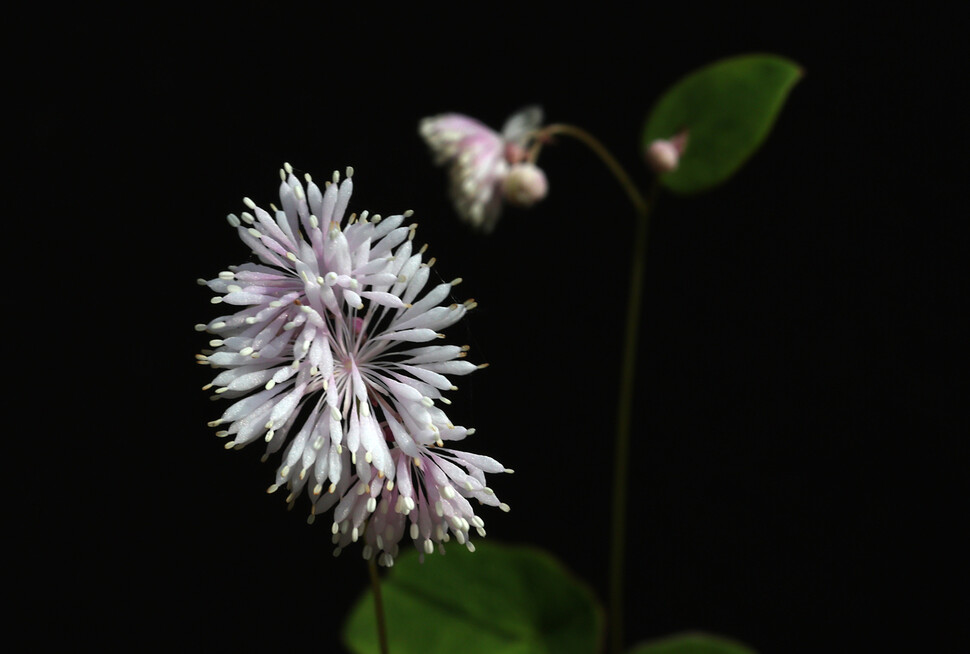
(725, 110)
(497, 600)
(691, 643)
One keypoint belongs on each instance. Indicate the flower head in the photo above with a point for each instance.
(480, 159)
(332, 352)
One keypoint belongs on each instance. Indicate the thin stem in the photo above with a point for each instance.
(624, 409)
(547, 132)
(375, 584)
(624, 422)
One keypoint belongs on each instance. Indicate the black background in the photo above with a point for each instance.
(798, 444)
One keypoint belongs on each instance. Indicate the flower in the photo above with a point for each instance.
(332, 353)
(480, 160)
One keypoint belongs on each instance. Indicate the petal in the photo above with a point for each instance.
(521, 123)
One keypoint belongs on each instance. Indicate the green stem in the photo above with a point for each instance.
(624, 424)
(375, 584)
(628, 369)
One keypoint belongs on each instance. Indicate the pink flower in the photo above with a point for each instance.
(480, 161)
(332, 352)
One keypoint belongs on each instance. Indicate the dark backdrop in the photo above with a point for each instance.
(796, 418)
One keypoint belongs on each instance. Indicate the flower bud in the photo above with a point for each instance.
(525, 185)
(663, 155)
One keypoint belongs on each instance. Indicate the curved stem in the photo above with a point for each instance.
(624, 408)
(547, 132)
(375, 584)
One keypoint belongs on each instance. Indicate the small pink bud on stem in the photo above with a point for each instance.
(663, 155)
(525, 185)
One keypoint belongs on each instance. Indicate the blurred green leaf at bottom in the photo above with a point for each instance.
(691, 643)
(499, 599)
(726, 110)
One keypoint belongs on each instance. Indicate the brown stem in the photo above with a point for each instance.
(547, 132)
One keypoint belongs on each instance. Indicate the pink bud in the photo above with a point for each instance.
(663, 155)
(525, 185)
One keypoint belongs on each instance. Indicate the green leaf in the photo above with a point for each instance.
(727, 109)
(691, 643)
(497, 600)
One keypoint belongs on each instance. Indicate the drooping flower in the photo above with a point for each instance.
(480, 161)
(332, 352)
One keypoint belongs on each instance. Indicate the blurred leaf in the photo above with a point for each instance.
(727, 108)
(496, 600)
(691, 643)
